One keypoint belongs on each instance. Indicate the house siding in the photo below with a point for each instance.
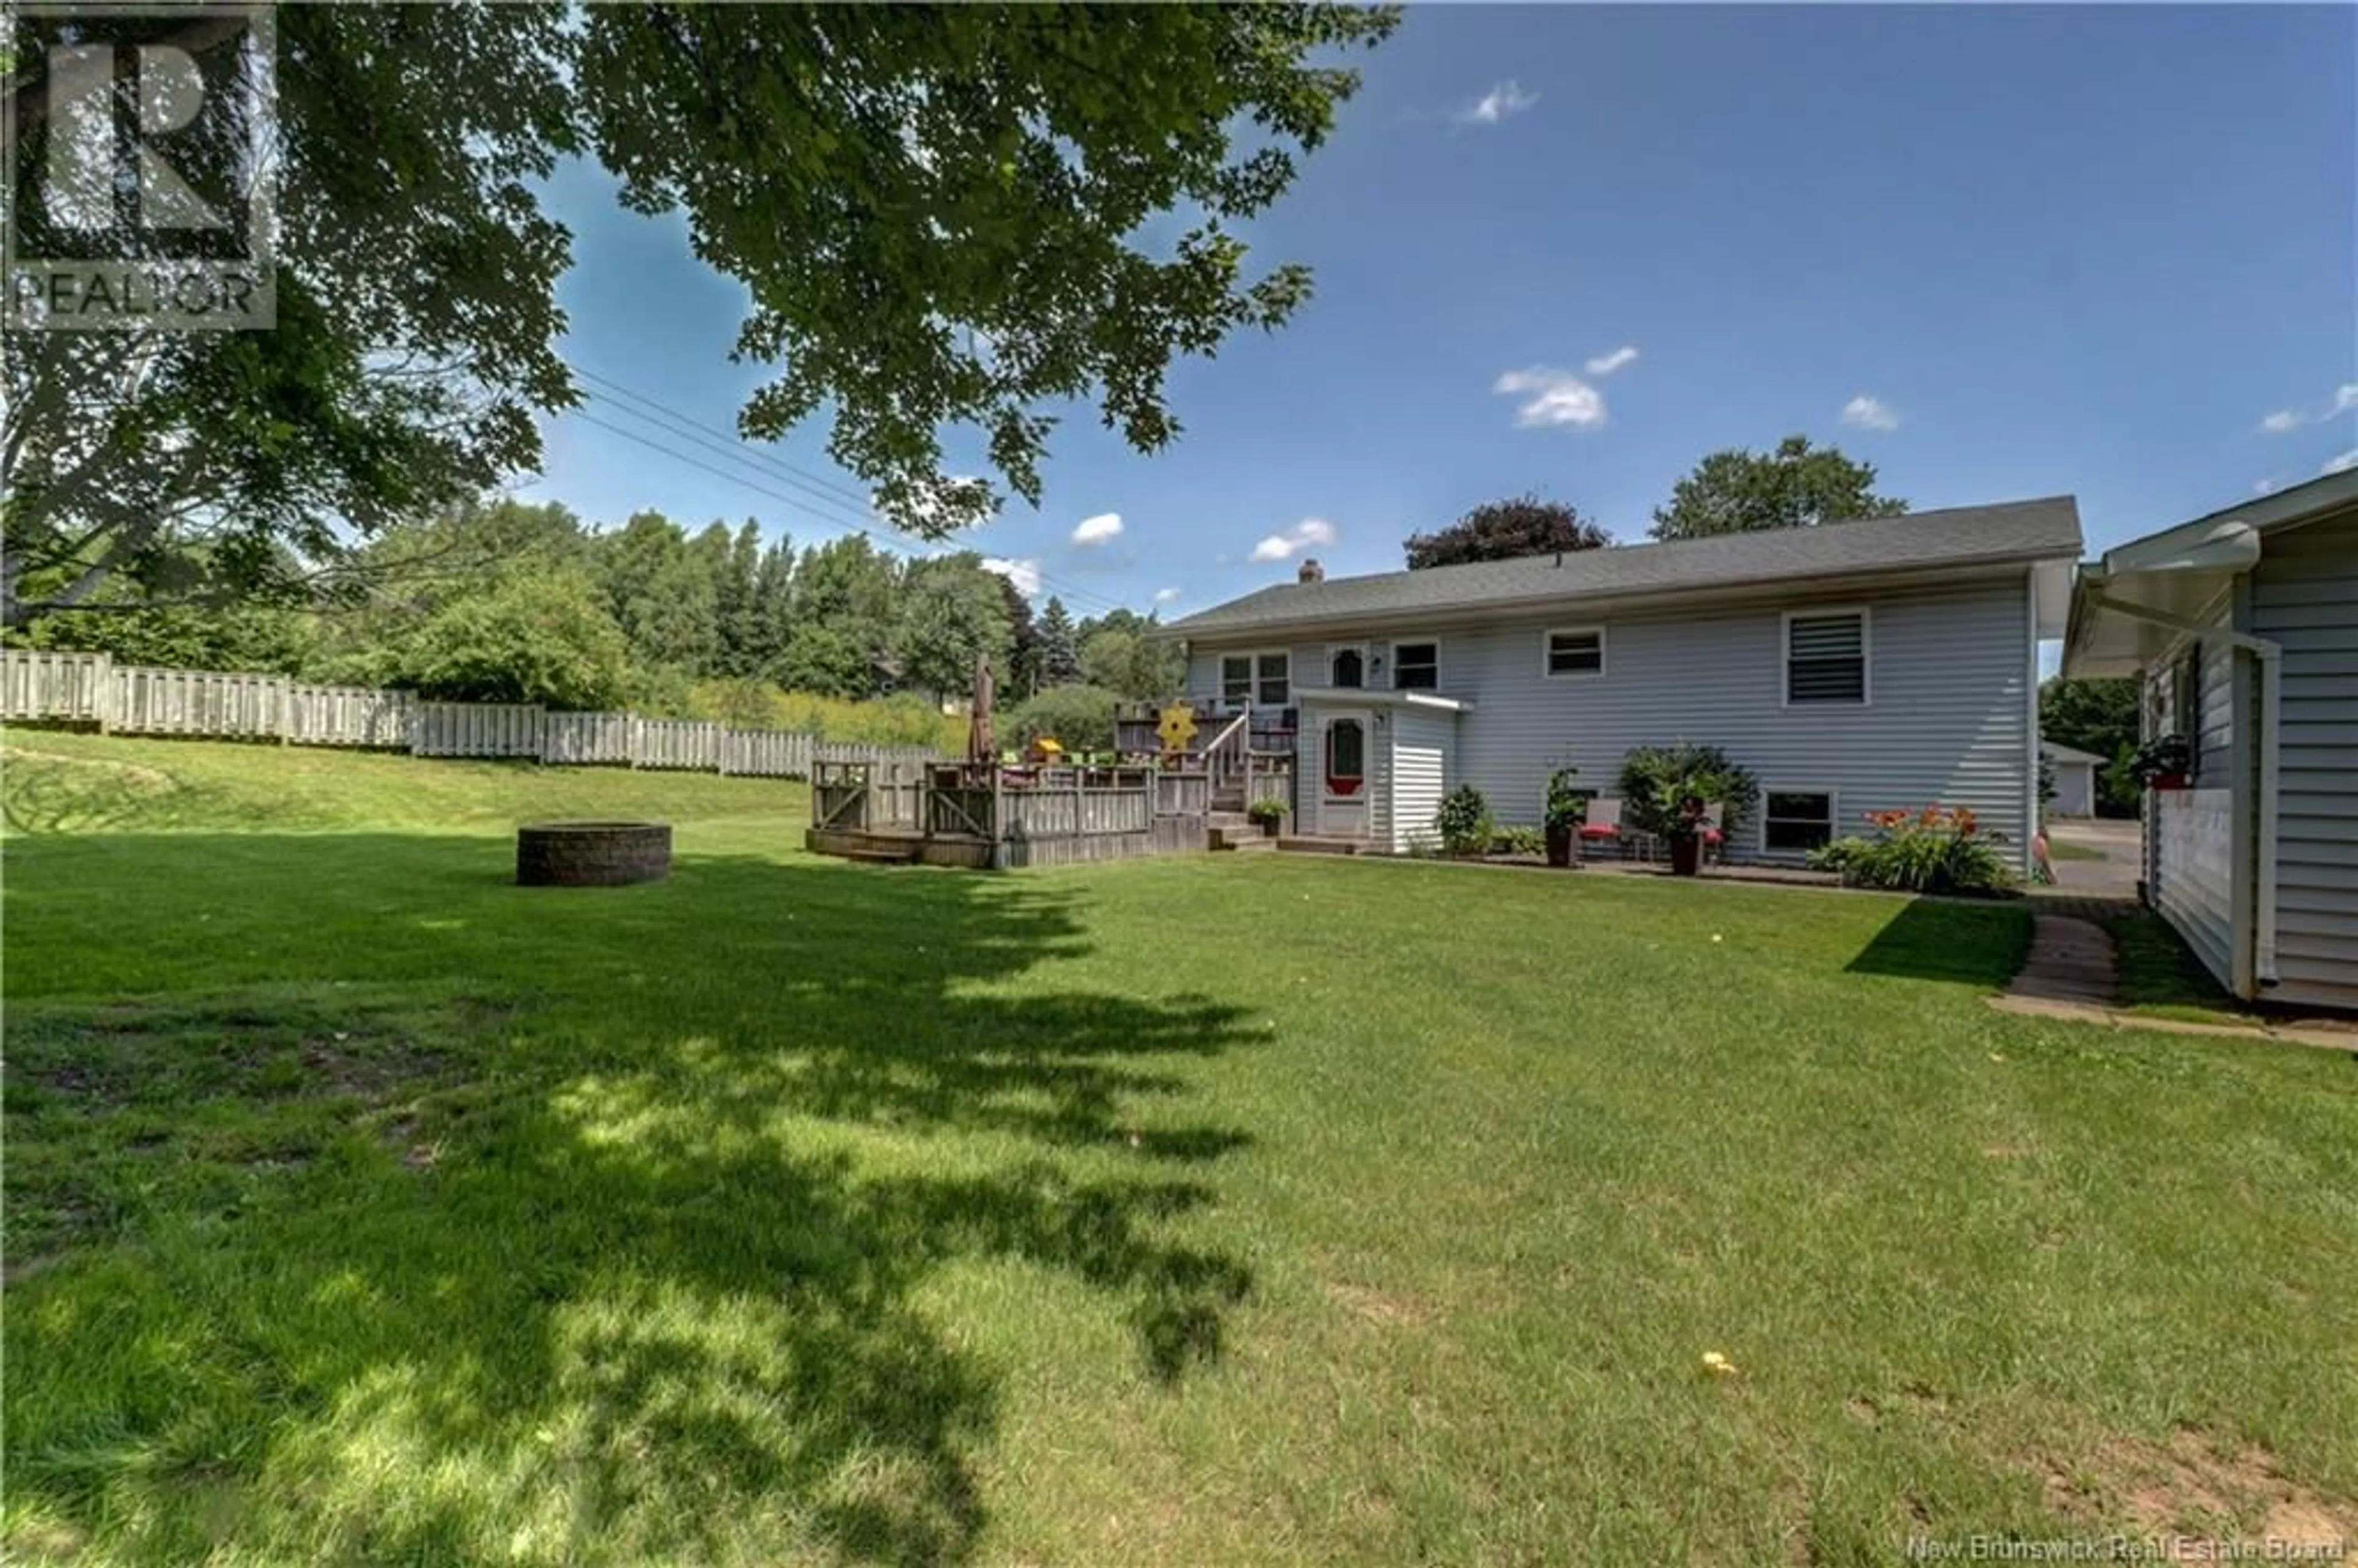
(1420, 774)
(2191, 833)
(2304, 597)
(1950, 716)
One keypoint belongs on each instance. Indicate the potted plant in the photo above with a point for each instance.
(1567, 809)
(1667, 791)
(2166, 762)
(1685, 830)
(1270, 814)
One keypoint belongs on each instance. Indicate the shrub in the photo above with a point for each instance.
(545, 639)
(1935, 849)
(1079, 716)
(1464, 821)
(1655, 779)
(1566, 805)
(901, 720)
(1517, 840)
(1266, 810)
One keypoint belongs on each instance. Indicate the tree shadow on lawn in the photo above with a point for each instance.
(647, 1267)
(1962, 941)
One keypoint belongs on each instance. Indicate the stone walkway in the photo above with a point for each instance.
(2070, 976)
(2071, 960)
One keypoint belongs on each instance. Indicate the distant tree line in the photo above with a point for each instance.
(514, 603)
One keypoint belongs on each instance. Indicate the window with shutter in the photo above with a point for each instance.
(1825, 657)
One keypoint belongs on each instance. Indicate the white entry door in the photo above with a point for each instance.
(1344, 780)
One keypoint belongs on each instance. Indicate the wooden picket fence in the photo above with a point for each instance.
(43, 686)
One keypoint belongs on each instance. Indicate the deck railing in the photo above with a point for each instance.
(1229, 756)
(867, 797)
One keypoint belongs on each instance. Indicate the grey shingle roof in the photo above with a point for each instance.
(2047, 529)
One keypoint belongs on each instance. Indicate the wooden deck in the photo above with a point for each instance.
(1001, 817)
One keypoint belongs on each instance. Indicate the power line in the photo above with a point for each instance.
(625, 390)
(685, 427)
(736, 449)
(1065, 591)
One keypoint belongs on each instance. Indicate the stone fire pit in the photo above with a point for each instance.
(593, 854)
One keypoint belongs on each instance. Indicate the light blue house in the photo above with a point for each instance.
(2243, 626)
(1851, 666)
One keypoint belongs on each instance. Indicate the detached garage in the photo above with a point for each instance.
(2074, 774)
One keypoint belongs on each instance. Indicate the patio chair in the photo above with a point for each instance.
(1604, 822)
(1715, 840)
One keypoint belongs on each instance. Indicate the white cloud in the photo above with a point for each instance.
(2264, 487)
(1506, 98)
(1097, 530)
(1294, 540)
(1606, 365)
(1165, 595)
(2285, 420)
(1024, 574)
(1868, 413)
(2342, 462)
(1552, 398)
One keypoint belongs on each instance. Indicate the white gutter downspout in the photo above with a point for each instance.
(2269, 724)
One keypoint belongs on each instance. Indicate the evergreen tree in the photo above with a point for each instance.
(740, 654)
(1060, 648)
(1021, 676)
(771, 617)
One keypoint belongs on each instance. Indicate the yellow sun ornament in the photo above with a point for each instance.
(1176, 726)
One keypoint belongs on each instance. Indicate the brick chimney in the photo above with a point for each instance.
(1311, 572)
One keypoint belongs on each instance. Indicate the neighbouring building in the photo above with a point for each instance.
(2243, 626)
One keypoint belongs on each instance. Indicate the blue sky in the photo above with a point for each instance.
(2109, 251)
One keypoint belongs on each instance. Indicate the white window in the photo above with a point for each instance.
(1416, 666)
(1792, 820)
(1580, 651)
(1235, 679)
(1272, 685)
(1258, 678)
(1825, 656)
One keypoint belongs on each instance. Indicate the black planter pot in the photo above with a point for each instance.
(1269, 825)
(1559, 844)
(1686, 854)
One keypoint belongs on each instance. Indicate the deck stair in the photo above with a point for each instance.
(1309, 844)
(1235, 830)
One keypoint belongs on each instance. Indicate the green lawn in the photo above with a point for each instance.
(2062, 849)
(365, 1208)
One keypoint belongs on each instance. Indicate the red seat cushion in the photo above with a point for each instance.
(1598, 830)
(1711, 835)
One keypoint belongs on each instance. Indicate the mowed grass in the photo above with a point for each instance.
(365, 1208)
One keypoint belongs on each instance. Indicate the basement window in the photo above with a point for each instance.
(1796, 820)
